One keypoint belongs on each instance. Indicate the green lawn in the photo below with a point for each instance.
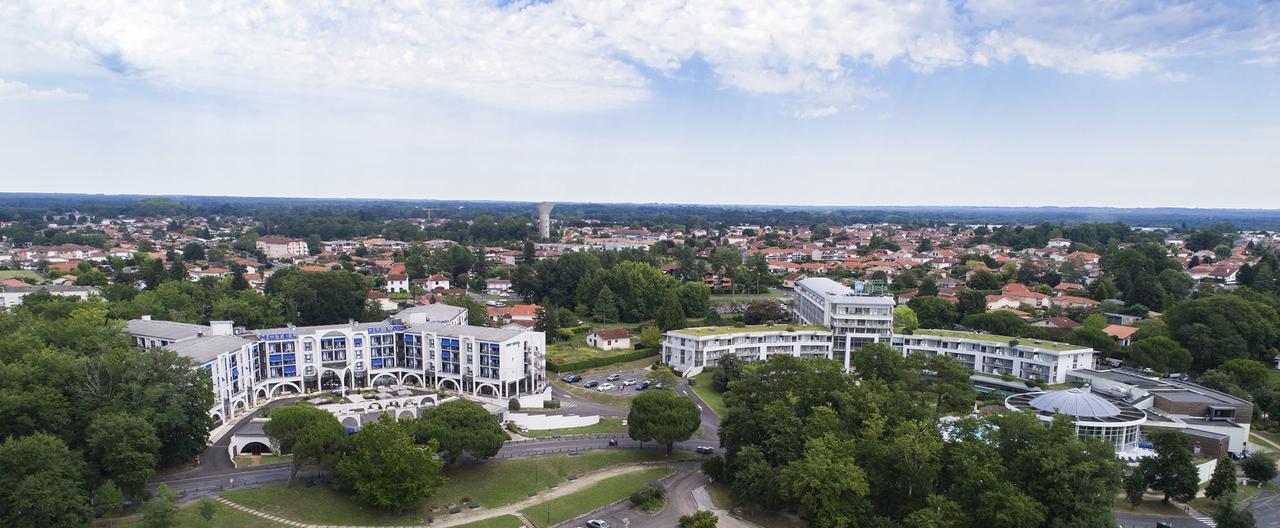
(490, 484)
(244, 461)
(20, 274)
(576, 349)
(502, 521)
(224, 517)
(1243, 493)
(602, 493)
(715, 400)
(606, 425)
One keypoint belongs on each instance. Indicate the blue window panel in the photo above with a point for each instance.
(290, 357)
(375, 363)
(290, 370)
(235, 372)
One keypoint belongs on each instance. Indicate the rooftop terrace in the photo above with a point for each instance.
(1002, 340)
(703, 331)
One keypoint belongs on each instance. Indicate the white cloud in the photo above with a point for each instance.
(816, 113)
(603, 54)
(18, 91)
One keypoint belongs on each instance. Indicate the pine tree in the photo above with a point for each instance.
(548, 322)
(1223, 480)
(670, 314)
(606, 306)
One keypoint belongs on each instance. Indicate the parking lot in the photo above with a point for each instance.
(622, 382)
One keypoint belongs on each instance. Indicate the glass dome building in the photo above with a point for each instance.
(1114, 421)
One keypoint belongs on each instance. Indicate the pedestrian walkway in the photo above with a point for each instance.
(1195, 514)
(703, 499)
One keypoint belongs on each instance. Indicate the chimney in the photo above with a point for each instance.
(221, 328)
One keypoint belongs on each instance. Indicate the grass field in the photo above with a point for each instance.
(576, 349)
(224, 517)
(715, 400)
(603, 493)
(19, 274)
(606, 425)
(490, 484)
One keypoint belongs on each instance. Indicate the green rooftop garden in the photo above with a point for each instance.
(723, 330)
(1001, 340)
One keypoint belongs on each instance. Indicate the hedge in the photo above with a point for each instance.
(601, 361)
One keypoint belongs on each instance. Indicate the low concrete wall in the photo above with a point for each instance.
(539, 422)
(1206, 470)
(534, 401)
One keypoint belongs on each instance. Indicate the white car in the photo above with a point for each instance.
(629, 382)
(605, 387)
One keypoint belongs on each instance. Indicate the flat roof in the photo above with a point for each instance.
(483, 333)
(834, 291)
(205, 349)
(169, 330)
(702, 331)
(1000, 340)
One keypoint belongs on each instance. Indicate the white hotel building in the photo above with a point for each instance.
(426, 346)
(692, 349)
(855, 319)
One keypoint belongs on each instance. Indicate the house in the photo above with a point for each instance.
(525, 312)
(609, 338)
(437, 282)
(1123, 334)
(1071, 301)
(497, 286)
(397, 283)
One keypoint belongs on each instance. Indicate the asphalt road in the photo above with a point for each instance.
(679, 502)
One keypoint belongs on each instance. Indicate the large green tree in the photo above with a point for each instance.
(664, 417)
(387, 470)
(40, 484)
(124, 447)
(460, 426)
(1172, 471)
(312, 435)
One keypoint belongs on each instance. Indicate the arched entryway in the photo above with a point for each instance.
(255, 448)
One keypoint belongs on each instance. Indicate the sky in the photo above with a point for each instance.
(857, 102)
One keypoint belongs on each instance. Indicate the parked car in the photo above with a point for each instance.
(629, 382)
(570, 378)
(643, 385)
(705, 450)
(614, 377)
(597, 523)
(605, 387)
(592, 384)
(658, 385)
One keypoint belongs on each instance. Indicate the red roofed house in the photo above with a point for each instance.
(609, 338)
(1122, 333)
(437, 281)
(525, 312)
(1071, 301)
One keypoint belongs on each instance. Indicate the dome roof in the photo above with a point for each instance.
(1075, 402)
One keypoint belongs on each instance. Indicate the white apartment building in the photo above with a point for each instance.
(691, 349)
(425, 346)
(1028, 359)
(282, 247)
(855, 319)
(11, 296)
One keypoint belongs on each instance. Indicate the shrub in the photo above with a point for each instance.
(551, 404)
(513, 405)
(649, 498)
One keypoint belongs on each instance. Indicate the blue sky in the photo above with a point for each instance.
(859, 102)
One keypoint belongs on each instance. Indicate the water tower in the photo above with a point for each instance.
(544, 219)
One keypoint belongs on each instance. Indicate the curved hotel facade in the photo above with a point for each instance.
(426, 346)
